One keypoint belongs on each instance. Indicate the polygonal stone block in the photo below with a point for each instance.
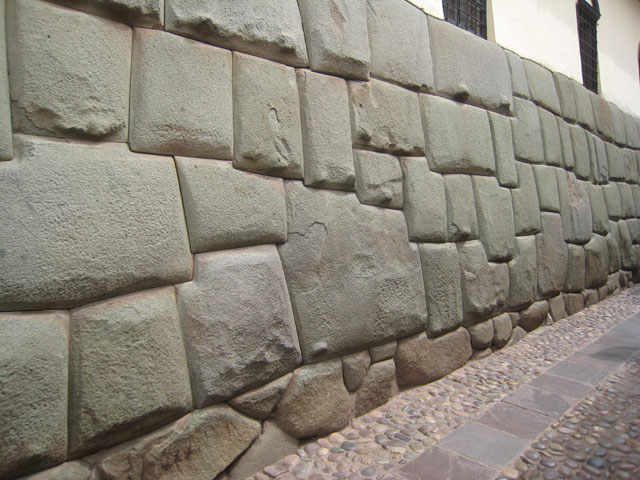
(616, 161)
(267, 29)
(481, 334)
(596, 262)
(574, 302)
(462, 221)
(527, 132)
(383, 352)
(518, 75)
(354, 369)
(631, 130)
(630, 165)
(502, 330)
(75, 209)
(260, 402)
(566, 144)
(628, 255)
(634, 229)
(612, 200)
(6, 138)
(602, 115)
(502, 135)
(550, 137)
(635, 191)
(77, 470)
(140, 13)
(556, 308)
(232, 349)
(547, 186)
(584, 109)
(526, 207)
(574, 282)
(542, 86)
(522, 274)
(598, 209)
(378, 387)
(598, 157)
(495, 218)
(626, 200)
(582, 167)
(617, 121)
(378, 179)
(566, 96)
(613, 249)
(534, 316)
(69, 72)
(552, 255)
(575, 209)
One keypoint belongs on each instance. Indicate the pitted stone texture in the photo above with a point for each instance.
(326, 130)
(551, 254)
(266, 127)
(383, 352)
(67, 471)
(596, 262)
(33, 381)
(575, 209)
(354, 369)
(628, 255)
(424, 201)
(6, 138)
(143, 387)
(484, 285)
(260, 402)
(584, 110)
(566, 96)
(385, 117)
(441, 271)
(575, 269)
(574, 302)
(632, 131)
(181, 102)
(140, 13)
(527, 132)
(462, 221)
(616, 161)
(550, 137)
(613, 200)
(542, 86)
(582, 167)
(534, 316)
(258, 27)
(613, 247)
(598, 209)
(617, 121)
(547, 186)
(482, 334)
(183, 450)
(336, 33)
(556, 308)
(522, 274)
(316, 401)
(400, 46)
(599, 162)
(228, 208)
(379, 297)
(420, 360)
(69, 72)
(518, 75)
(495, 218)
(458, 137)
(602, 115)
(567, 144)
(626, 200)
(75, 209)
(378, 179)
(469, 68)
(232, 293)
(378, 387)
(526, 208)
(502, 135)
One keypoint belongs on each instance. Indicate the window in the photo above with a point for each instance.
(588, 16)
(470, 15)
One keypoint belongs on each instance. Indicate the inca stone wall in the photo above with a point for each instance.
(232, 225)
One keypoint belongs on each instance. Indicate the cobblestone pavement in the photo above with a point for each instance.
(505, 416)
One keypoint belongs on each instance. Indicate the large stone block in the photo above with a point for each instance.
(617, 121)
(542, 86)
(616, 160)
(574, 282)
(481, 334)
(556, 308)
(599, 161)
(117, 390)
(582, 161)
(326, 130)
(584, 110)
(469, 68)
(526, 207)
(635, 191)
(598, 209)
(260, 402)
(574, 302)
(6, 138)
(551, 255)
(228, 208)
(502, 330)
(612, 200)
(550, 137)
(424, 202)
(613, 250)
(140, 13)
(566, 96)
(354, 369)
(378, 387)
(596, 259)
(630, 165)
(232, 349)
(628, 256)
(518, 75)
(527, 132)
(575, 209)
(502, 135)
(384, 351)
(495, 218)
(568, 161)
(458, 137)
(181, 101)
(85, 222)
(385, 117)
(336, 32)
(355, 294)
(259, 27)
(378, 179)
(441, 272)
(602, 115)
(631, 130)
(547, 186)
(626, 200)
(34, 357)
(69, 72)
(462, 220)
(266, 127)
(534, 316)
(522, 274)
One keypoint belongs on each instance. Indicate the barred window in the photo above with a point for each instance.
(470, 15)
(588, 16)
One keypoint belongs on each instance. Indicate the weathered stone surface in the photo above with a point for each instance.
(316, 402)
(33, 381)
(69, 72)
(139, 13)
(515, 318)
(522, 274)
(574, 208)
(613, 200)
(502, 330)
(584, 109)
(337, 37)
(534, 316)
(462, 221)
(354, 369)
(326, 130)
(550, 137)
(567, 144)
(420, 360)
(634, 229)
(582, 168)
(266, 128)
(502, 135)
(598, 157)
(630, 165)
(379, 297)
(542, 86)
(6, 138)
(598, 209)
(385, 117)
(518, 334)
(458, 137)
(574, 302)
(383, 352)
(260, 402)
(565, 96)
(75, 209)
(628, 258)
(556, 308)
(527, 132)
(596, 262)
(574, 282)
(67, 471)
(602, 115)
(469, 68)
(616, 162)
(227, 353)
(551, 254)
(547, 186)
(613, 283)
(227, 208)
(590, 297)
(626, 200)
(635, 191)
(424, 201)
(482, 334)
(526, 208)
(378, 387)
(183, 450)
(232, 24)
(613, 247)
(617, 122)
(400, 46)
(495, 218)
(631, 130)
(518, 75)
(378, 179)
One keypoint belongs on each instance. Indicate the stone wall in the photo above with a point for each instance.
(230, 226)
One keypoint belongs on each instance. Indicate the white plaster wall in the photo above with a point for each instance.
(432, 7)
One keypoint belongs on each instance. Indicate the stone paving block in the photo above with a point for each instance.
(181, 101)
(227, 354)
(575, 209)
(626, 200)
(495, 218)
(502, 135)
(233, 24)
(582, 160)
(385, 117)
(631, 130)
(458, 137)
(550, 137)
(462, 220)
(616, 162)
(574, 281)
(527, 132)
(354, 369)
(469, 68)
(139, 13)
(383, 352)
(628, 256)
(617, 121)
(551, 255)
(613, 200)
(542, 86)
(566, 143)
(437, 463)
(566, 96)
(556, 308)
(596, 262)
(229, 208)
(378, 179)
(337, 36)
(598, 209)
(267, 126)
(518, 75)
(424, 202)
(502, 330)
(326, 130)
(34, 364)
(539, 401)
(379, 297)
(69, 72)
(534, 316)
(260, 402)
(547, 187)
(515, 420)
(526, 209)
(378, 387)
(75, 208)
(400, 45)
(579, 373)
(598, 159)
(117, 392)
(6, 137)
(481, 334)
(602, 115)
(522, 274)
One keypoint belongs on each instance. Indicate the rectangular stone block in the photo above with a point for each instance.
(602, 115)
(584, 109)
(505, 159)
(462, 221)
(526, 207)
(574, 282)
(631, 130)
(378, 179)
(6, 137)
(542, 86)
(550, 137)
(523, 276)
(552, 255)
(495, 218)
(612, 199)
(547, 187)
(566, 97)
(266, 121)
(598, 159)
(181, 100)
(630, 165)
(626, 200)
(617, 121)
(567, 145)
(139, 13)
(598, 209)
(518, 75)
(582, 167)
(616, 160)
(575, 209)
(527, 132)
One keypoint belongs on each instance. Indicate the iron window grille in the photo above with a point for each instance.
(470, 15)
(588, 16)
